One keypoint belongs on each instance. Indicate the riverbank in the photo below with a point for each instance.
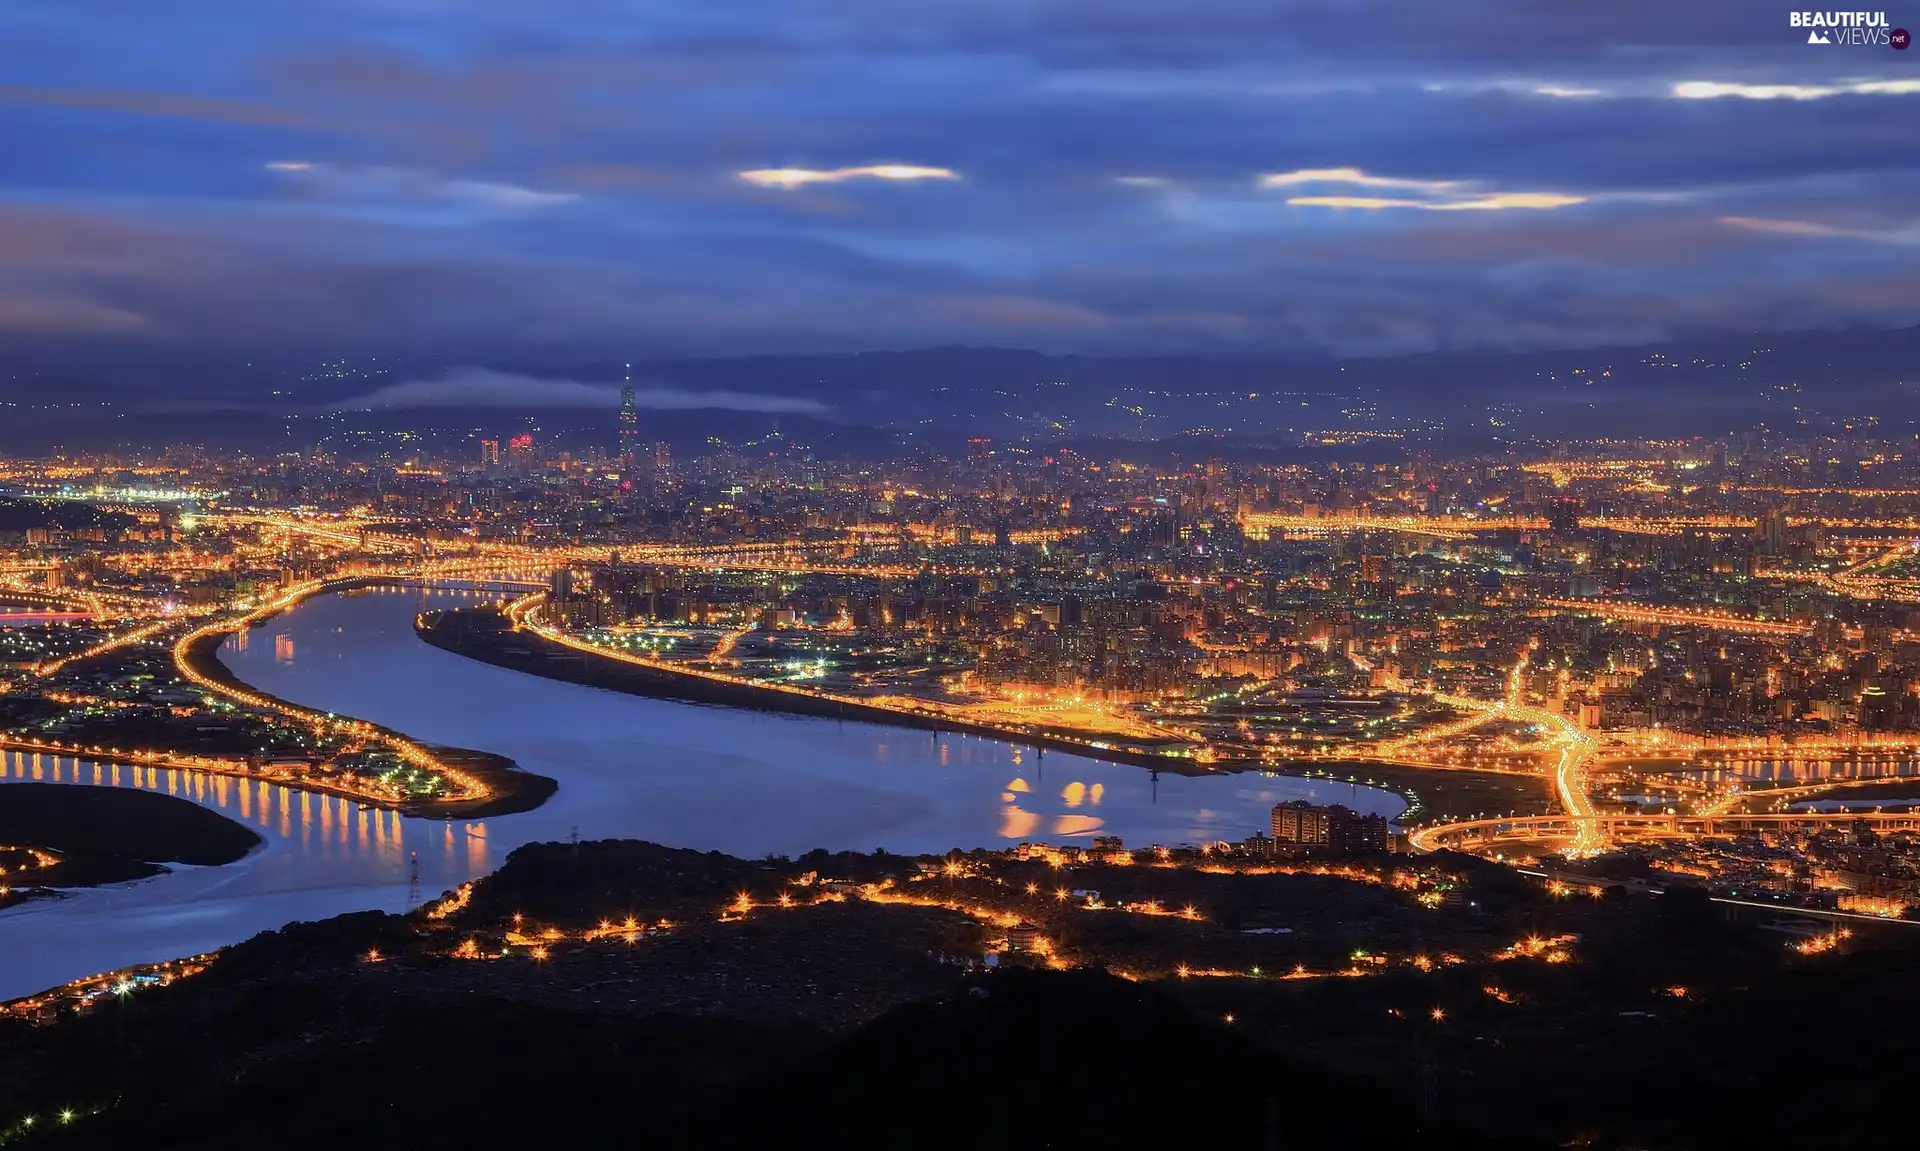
(485, 634)
(510, 788)
(98, 836)
(1445, 793)
(1896, 794)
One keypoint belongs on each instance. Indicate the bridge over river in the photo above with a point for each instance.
(1478, 834)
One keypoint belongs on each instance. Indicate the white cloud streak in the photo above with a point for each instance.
(1812, 229)
(1439, 195)
(1353, 176)
(790, 178)
(409, 185)
(1717, 90)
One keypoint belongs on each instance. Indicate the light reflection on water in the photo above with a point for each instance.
(323, 855)
(315, 825)
(711, 778)
(739, 781)
(1803, 771)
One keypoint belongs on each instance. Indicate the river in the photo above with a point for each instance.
(710, 778)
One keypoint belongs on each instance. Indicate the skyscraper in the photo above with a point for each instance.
(520, 452)
(1771, 531)
(629, 426)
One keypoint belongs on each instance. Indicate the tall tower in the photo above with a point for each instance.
(629, 426)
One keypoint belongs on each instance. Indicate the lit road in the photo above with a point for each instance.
(1462, 833)
(1681, 617)
(1570, 783)
(460, 785)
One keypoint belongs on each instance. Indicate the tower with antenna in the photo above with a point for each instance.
(629, 427)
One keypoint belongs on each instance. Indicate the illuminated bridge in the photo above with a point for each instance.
(1480, 834)
(76, 605)
(1680, 616)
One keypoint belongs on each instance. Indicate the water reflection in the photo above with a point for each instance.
(291, 821)
(709, 778)
(737, 781)
(1788, 770)
(323, 856)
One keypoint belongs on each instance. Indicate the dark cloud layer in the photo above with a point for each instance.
(597, 178)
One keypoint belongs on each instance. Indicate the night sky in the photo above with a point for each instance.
(485, 178)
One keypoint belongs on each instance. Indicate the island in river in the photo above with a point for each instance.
(486, 634)
(55, 835)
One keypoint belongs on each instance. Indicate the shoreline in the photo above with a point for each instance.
(529, 653)
(100, 837)
(231, 769)
(449, 631)
(514, 789)
(1422, 791)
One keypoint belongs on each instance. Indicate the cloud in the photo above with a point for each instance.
(1441, 195)
(410, 186)
(1353, 176)
(1909, 235)
(800, 177)
(1501, 200)
(1717, 90)
(1367, 203)
(582, 181)
(30, 316)
(472, 387)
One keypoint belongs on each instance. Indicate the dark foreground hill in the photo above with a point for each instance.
(622, 994)
(1026, 1058)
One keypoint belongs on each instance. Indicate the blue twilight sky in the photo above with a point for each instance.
(475, 178)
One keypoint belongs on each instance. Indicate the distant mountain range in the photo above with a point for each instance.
(876, 402)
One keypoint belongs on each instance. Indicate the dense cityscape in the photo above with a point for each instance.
(1603, 668)
(1600, 667)
(1614, 641)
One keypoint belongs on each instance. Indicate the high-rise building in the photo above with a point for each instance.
(1336, 827)
(1348, 830)
(490, 453)
(1771, 531)
(629, 426)
(520, 452)
(1299, 822)
(1563, 515)
(663, 456)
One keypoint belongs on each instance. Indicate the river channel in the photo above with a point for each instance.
(688, 775)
